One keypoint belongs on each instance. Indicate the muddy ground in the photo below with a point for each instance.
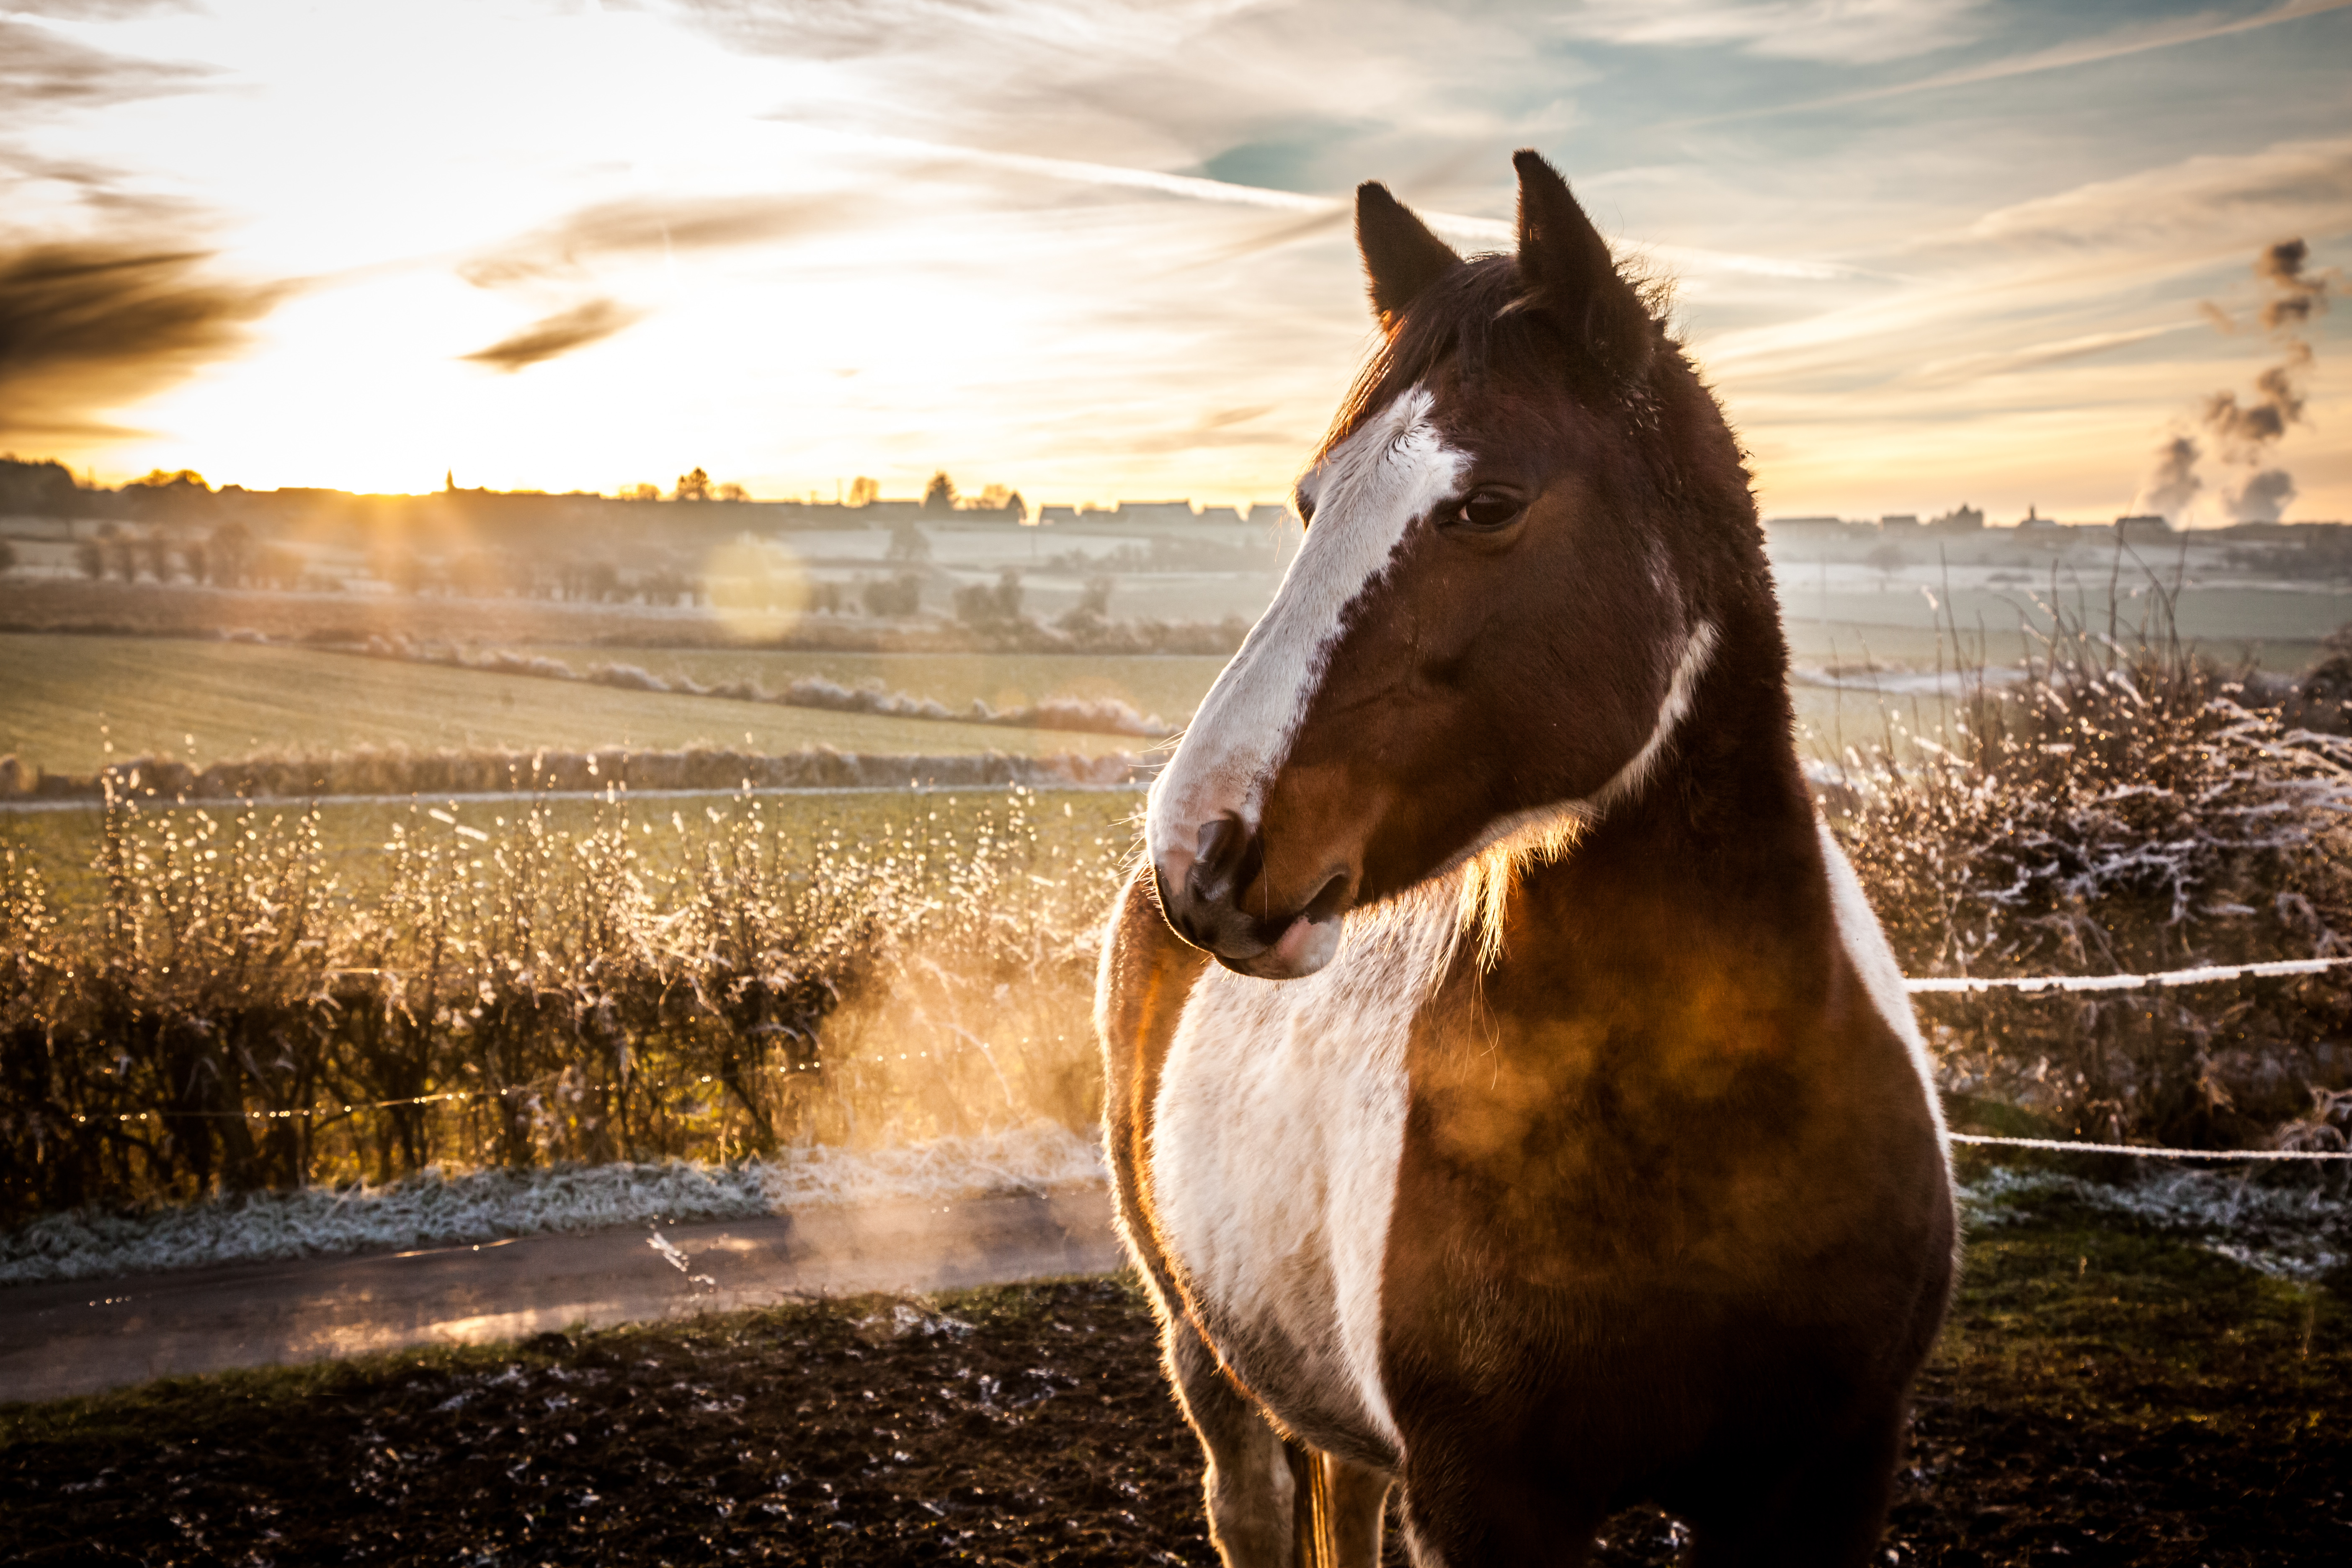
(2101, 1397)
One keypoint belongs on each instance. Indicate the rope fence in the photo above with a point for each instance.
(2211, 974)
(2140, 1152)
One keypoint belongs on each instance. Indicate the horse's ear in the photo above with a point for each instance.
(1568, 272)
(1402, 258)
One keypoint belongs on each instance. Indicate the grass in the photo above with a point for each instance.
(62, 844)
(213, 701)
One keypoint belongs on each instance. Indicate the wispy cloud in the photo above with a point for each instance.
(89, 326)
(43, 70)
(2139, 39)
(640, 225)
(558, 334)
(1851, 32)
(2210, 205)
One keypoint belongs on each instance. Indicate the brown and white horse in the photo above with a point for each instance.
(1550, 1131)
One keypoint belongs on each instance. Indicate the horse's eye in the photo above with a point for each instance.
(1487, 509)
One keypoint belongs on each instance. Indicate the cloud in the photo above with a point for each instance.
(88, 326)
(2033, 356)
(558, 334)
(2139, 39)
(96, 10)
(42, 71)
(2199, 206)
(642, 225)
(1846, 32)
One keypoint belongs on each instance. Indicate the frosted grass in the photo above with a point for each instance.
(2300, 1232)
(435, 1209)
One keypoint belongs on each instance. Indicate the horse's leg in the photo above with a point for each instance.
(1826, 1510)
(1470, 1509)
(1340, 1526)
(1251, 1485)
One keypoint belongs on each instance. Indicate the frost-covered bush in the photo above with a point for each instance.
(2128, 807)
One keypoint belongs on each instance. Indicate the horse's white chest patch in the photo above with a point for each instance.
(1275, 1139)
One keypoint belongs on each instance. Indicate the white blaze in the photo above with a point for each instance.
(1367, 492)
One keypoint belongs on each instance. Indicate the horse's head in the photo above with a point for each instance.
(1500, 607)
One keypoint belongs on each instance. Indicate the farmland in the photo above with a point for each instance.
(1168, 685)
(68, 697)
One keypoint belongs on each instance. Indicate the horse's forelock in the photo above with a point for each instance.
(1478, 323)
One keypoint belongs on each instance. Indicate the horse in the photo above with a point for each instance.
(1511, 1099)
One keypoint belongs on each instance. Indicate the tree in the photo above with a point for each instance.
(908, 542)
(940, 495)
(901, 596)
(983, 607)
(168, 493)
(733, 493)
(279, 567)
(864, 491)
(399, 568)
(695, 486)
(231, 551)
(642, 492)
(45, 488)
(89, 559)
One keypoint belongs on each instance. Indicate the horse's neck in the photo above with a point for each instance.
(1715, 864)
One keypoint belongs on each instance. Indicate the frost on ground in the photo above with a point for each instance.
(2301, 1231)
(2297, 1227)
(434, 1209)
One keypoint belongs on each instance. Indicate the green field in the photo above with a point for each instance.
(64, 698)
(1902, 626)
(1171, 685)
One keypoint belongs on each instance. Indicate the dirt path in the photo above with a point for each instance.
(86, 1336)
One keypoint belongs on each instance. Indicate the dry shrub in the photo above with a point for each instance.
(2130, 807)
(229, 1014)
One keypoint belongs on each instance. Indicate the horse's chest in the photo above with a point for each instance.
(1275, 1139)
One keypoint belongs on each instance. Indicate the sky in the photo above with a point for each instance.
(1928, 251)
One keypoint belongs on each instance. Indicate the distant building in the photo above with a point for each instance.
(1270, 514)
(2036, 522)
(1899, 520)
(1052, 516)
(2145, 525)
(1961, 518)
(1219, 514)
(1152, 513)
(1816, 532)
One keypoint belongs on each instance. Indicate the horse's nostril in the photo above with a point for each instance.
(1224, 855)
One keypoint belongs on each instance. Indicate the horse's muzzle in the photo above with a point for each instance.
(1217, 897)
